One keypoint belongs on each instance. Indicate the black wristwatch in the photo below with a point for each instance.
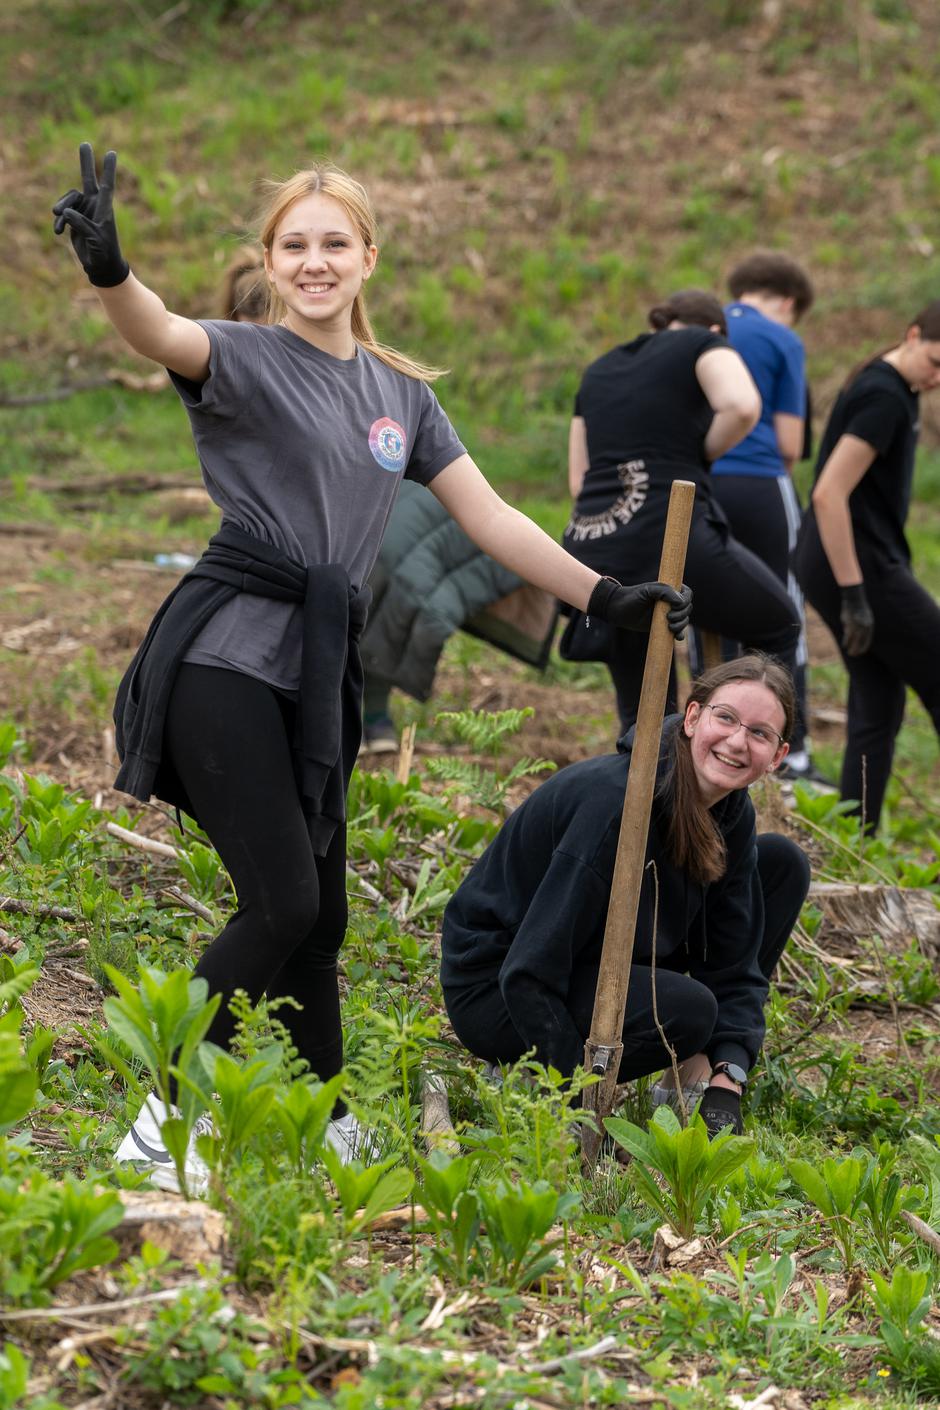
(732, 1070)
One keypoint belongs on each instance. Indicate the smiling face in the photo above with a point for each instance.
(317, 263)
(726, 747)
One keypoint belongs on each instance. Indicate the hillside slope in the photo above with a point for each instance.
(542, 170)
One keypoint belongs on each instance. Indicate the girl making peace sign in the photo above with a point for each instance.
(243, 703)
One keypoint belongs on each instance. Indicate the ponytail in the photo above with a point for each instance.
(694, 306)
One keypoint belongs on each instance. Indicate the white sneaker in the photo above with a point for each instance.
(349, 1140)
(144, 1147)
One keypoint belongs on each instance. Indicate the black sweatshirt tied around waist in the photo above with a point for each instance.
(330, 701)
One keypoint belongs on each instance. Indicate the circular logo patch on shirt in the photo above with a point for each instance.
(387, 443)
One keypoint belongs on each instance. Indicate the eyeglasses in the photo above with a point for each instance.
(760, 735)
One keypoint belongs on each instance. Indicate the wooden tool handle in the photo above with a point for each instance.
(604, 1046)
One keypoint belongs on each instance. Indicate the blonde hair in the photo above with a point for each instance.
(325, 179)
(243, 295)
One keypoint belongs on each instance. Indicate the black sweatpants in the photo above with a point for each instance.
(228, 736)
(687, 1008)
(905, 651)
(765, 515)
(733, 594)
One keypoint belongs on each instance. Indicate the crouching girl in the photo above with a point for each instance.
(522, 935)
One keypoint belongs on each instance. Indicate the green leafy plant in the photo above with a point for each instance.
(163, 1021)
(365, 1192)
(494, 1230)
(691, 1168)
(484, 732)
(835, 1188)
(301, 1112)
(903, 1304)
(517, 1217)
(50, 1231)
(19, 1070)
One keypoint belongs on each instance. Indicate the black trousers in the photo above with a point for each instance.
(765, 517)
(905, 651)
(228, 736)
(687, 1009)
(734, 594)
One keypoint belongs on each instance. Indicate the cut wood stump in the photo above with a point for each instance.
(897, 915)
(187, 1229)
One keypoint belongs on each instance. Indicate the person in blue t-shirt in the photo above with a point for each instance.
(753, 481)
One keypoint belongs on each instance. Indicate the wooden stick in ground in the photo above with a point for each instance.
(711, 649)
(406, 753)
(604, 1047)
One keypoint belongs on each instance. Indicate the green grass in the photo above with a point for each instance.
(543, 173)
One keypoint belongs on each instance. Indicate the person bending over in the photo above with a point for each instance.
(522, 936)
(651, 411)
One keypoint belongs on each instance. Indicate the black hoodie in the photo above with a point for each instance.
(535, 904)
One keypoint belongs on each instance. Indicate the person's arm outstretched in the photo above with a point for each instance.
(519, 544)
(138, 314)
(730, 391)
(843, 471)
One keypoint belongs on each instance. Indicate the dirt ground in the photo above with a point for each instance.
(55, 605)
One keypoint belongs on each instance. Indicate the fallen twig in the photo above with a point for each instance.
(94, 1309)
(922, 1230)
(583, 1353)
(366, 888)
(189, 902)
(144, 844)
(29, 908)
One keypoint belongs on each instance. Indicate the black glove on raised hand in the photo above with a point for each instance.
(90, 220)
(720, 1108)
(631, 608)
(858, 620)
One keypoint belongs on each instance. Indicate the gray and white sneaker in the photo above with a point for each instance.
(350, 1140)
(666, 1096)
(144, 1147)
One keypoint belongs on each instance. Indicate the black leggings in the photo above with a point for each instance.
(687, 1009)
(228, 737)
(734, 594)
(905, 651)
(765, 514)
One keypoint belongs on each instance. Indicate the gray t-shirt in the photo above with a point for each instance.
(306, 452)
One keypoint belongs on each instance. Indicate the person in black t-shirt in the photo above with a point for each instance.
(854, 564)
(651, 411)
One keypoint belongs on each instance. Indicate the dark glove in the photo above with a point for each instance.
(631, 608)
(90, 220)
(858, 620)
(720, 1108)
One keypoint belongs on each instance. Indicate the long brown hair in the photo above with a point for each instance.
(328, 180)
(695, 840)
